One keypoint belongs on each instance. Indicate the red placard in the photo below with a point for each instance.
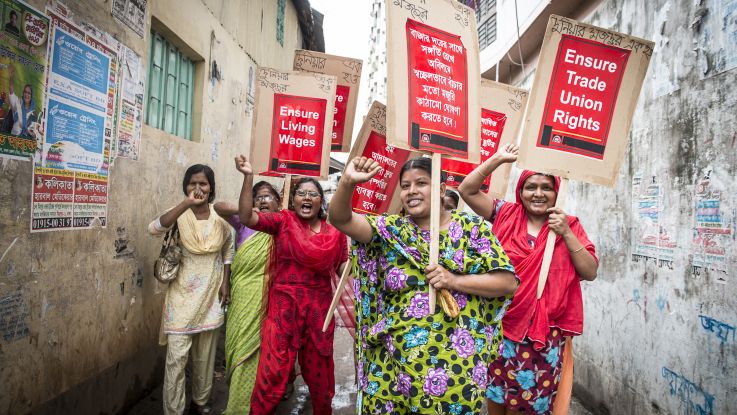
(492, 125)
(296, 135)
(375, 195)
(583, 90)
(438, 100)
(339, 113)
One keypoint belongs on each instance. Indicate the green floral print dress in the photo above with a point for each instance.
(411, 360)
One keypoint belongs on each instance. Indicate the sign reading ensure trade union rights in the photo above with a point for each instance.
(583, 90)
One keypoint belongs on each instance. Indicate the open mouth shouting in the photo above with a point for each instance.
(306, 207)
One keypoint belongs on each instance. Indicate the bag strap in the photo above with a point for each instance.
(170, 238)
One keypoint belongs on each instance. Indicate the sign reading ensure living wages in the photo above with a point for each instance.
(348, 73)
(297, 131)
(292, 135)
(433, 78)
(378, 196)
(581, 97)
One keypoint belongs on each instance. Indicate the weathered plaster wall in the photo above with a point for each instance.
(660, 319)
(85, 320)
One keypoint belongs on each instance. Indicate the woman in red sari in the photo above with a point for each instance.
(525, 378)
(305, 253)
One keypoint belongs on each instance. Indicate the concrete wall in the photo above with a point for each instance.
(659, 335)
(92, 319)
(659, 329)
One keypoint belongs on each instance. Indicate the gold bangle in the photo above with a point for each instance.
(482, 174)
(577, 250)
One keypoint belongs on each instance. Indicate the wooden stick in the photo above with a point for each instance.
(287, 189)
(550, 243)
(435, 207)
(336, 297)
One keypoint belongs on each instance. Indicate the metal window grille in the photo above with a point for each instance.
(486, 18)
(169, 89)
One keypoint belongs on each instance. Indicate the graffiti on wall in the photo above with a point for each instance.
(723, 331)
(696, 399)
(13, 315)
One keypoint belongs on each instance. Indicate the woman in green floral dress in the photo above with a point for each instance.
(412, 359)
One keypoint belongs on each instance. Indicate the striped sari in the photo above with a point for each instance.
(243, 326)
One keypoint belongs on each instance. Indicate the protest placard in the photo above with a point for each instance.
(584, 94)
(583, 97)
(502, 107)
(292, 123)
(433, 78)
(380, 195)
(433, 92)
(348, 74)
(23, 43)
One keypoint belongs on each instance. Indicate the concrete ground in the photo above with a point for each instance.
(299, 402)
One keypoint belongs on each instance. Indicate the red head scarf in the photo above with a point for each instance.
(561, 304)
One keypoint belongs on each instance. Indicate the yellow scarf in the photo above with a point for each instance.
(196, 242)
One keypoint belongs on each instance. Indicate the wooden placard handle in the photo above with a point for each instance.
(287, 189)
(550, 243)
(336, 297)
(434, 222)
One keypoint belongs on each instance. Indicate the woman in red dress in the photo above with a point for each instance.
(525, 378)
(305, 254)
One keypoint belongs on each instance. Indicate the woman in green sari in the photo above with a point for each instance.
(243, 326)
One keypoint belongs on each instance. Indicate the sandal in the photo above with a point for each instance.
(195, 409)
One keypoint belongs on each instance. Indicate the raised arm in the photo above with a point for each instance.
(470, 189)
(195, 198)
(226, 209)
(245, 201)
(359, 170)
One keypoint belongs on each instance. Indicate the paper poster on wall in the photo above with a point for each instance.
(130, 106)
(80, 100)
(348, 74)
(433, 78)
(583, 97)
(23, 42)
(501, 117)
(70, 191)
(380, 194)
(293, 135)
(67, 200)
(132, 13)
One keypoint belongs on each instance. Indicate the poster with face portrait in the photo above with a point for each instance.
(583, 97)
(292, 123)
(433, 78)
(23, 42)
(502, 107)
(348, 73)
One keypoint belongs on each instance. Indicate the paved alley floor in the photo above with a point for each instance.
(344, 402)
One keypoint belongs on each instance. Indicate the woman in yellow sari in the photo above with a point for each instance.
(193, 307)
(243, 326)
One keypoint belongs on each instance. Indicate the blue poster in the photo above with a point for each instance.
(79, 72)
(75, 138)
